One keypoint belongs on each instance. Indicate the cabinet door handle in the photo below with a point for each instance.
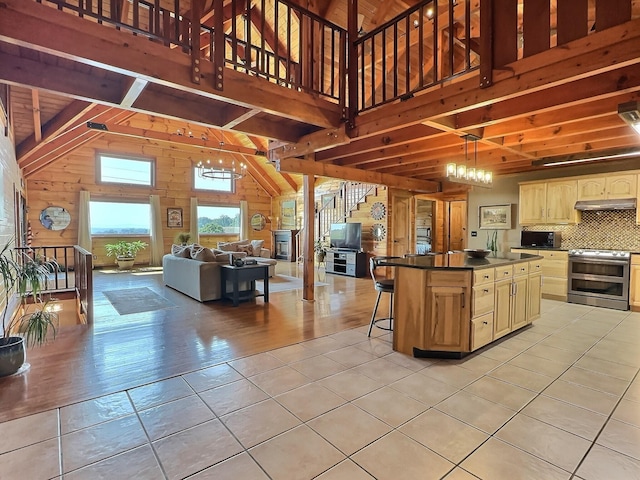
(485, 323)
(485, 290)
(462, 299)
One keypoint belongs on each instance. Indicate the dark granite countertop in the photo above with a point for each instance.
(459, 260)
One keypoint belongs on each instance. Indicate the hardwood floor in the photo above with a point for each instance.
(120, 352)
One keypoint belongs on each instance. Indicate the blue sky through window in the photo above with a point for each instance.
(117, 218)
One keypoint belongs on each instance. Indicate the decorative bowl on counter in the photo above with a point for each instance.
(477, 252)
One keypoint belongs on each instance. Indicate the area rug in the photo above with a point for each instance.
(136, 300)
(284, 283)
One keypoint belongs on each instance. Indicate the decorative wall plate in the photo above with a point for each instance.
(378, 211)
(55, 218)
(378, 231)
(258, 221)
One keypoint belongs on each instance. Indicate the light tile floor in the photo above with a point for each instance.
(558, 400)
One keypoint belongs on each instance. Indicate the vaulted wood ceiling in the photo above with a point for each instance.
(558, 103)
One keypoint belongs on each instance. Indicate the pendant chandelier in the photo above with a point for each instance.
(469, 175)
(222, 168)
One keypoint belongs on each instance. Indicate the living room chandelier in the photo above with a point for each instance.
(469, 175)
(222, 168)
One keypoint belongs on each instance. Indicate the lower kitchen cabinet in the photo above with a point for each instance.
(534, 290)
(555, 271)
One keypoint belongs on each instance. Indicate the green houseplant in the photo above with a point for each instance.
(26, 277)
(125, 252)
(183, 238)
(320, 248)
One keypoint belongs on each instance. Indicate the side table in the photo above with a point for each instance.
(247, 273)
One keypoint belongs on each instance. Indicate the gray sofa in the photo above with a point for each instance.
(199, 280)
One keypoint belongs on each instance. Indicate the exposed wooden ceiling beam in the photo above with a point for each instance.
(260, 176)
(37, 122)
(133, 89)
(71, 140)
(74, 114)
(184, 140)
(260, 144)
(312, 143)
(307, 167)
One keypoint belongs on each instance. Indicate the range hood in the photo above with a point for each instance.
(618, 204)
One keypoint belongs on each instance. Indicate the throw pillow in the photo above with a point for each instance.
(203, 254)
(257, 247)
(248, 249)
(228, 247)
(183, 251)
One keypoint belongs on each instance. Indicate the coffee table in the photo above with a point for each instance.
(247, 273)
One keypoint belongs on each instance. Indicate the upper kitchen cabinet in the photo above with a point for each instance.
(608, 187)
(548, 202)
(533, 203)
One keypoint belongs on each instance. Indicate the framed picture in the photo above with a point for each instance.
(288, 214)
(174, 217)
(495, 217)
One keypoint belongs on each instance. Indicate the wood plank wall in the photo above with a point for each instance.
(60, 185)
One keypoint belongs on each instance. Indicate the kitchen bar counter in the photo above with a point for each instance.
(459, 260)
(448, 305)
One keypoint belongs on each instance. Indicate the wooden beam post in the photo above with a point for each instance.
(308, 234)
(486, 43)
(218, 44)
(352, 32)
(196, 13)
(37, 122)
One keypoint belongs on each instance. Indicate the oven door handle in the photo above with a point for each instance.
(598, 261)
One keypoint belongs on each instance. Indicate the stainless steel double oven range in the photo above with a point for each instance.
(599, 278)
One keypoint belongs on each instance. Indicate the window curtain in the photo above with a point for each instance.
(244, 220)
(157, 239)
(84, 221)
(193, 230)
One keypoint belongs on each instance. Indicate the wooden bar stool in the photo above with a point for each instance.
(382, 285)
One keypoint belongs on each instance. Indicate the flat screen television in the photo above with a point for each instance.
(346, 236)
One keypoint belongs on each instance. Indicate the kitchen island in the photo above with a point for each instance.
(448, 305)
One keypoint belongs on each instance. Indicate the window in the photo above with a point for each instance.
(120, 218)
(200, 183)
(132, 171)
(213, 219)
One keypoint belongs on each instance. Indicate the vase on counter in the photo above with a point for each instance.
(492, 242)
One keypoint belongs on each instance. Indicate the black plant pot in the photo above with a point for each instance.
(12, 355)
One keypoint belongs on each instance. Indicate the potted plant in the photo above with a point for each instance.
(125, 252)
(26, 277)
(320, 248)
(183, 238)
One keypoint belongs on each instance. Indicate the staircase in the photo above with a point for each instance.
(341, 205)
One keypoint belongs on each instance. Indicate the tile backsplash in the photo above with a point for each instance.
(606, 230)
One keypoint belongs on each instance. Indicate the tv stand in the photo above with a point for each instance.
(346, 262)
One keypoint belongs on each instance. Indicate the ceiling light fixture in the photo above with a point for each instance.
(570, 160)
(630, 113)
(471, 175)
(222, 169)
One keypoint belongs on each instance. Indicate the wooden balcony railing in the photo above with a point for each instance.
(275, 40)
(73, 274)
(430, 43)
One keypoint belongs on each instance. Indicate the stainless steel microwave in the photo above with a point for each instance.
(540, 239)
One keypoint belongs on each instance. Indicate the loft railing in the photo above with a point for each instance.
(73, 273)
(282, 43)
(428, 44)
(275, 40)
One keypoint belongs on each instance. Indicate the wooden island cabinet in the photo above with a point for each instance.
(449, 305)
